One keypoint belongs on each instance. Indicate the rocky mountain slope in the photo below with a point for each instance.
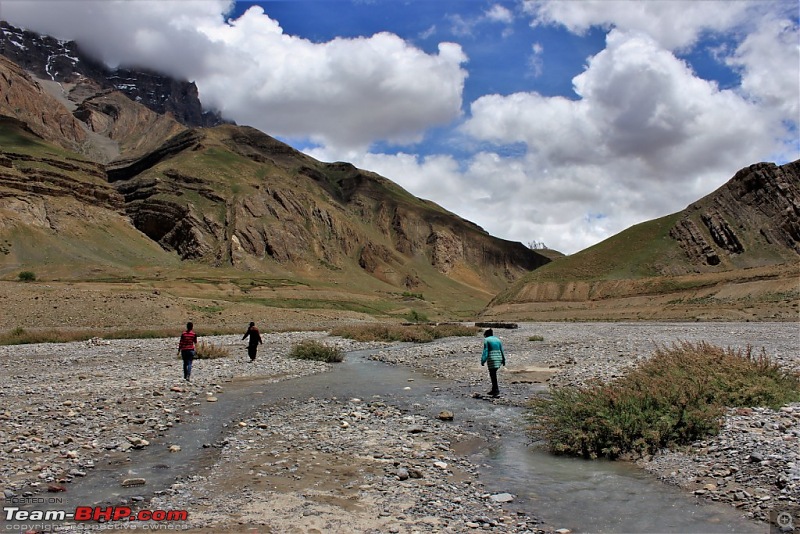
(752, 220)
(226, 197)
(65, 63)
(233, 195)
(737, 248)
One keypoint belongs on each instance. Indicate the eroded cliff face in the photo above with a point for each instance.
(133, 128)
(302, 212)
(24, 175)
(756, 214)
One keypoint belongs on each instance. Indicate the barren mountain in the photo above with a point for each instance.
(732, 254)
(131, 191)
(233, 195)
(25, 99)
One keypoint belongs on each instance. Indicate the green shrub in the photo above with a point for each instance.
(416, 317)
(27, 276)
(317, 351)
(209, 351)
(536, 338)
(409, 334)
(674, 398)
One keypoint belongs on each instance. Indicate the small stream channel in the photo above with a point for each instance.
(580, 495)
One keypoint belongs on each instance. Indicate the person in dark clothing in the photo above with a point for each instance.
(493, 357)
(255, 340)
(186, 348)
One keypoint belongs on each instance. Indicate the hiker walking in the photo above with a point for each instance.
(255, 340)
(493, 357)
(186, 348)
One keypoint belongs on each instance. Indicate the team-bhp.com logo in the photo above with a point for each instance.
(93, 513)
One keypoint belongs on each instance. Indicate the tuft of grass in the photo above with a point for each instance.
(210, 351)
(676, 397)
(536, 338)
(317, 351)
(410, 334)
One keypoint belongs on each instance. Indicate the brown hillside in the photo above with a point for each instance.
(234, 196)
(752, 220)
(733, 254)
(143, 198)
(25, 100)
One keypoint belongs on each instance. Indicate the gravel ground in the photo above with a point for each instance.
(753, 464)
(361, 465)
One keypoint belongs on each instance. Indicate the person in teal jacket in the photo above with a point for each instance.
(494, 356)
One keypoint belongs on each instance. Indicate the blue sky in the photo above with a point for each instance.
(501, 56)
(555, 121)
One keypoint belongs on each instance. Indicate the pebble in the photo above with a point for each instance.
(394, 480)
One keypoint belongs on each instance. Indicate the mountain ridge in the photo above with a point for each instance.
(95, 184)
(745, 234)
(223, 197)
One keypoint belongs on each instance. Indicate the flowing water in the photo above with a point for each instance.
(583, 496)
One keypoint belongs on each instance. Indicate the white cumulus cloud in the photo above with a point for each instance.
(643, 135)
(645, 138)
(674, 24)
(347, 93)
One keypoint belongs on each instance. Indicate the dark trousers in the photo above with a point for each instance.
(493, 376)
(188, 358)
(251, 351)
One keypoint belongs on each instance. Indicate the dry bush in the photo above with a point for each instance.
(398, 333)
(210, 351)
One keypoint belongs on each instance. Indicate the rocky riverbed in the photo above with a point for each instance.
(331, 464)
(753, 464)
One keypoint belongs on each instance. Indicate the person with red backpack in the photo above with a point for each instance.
(186, 348)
